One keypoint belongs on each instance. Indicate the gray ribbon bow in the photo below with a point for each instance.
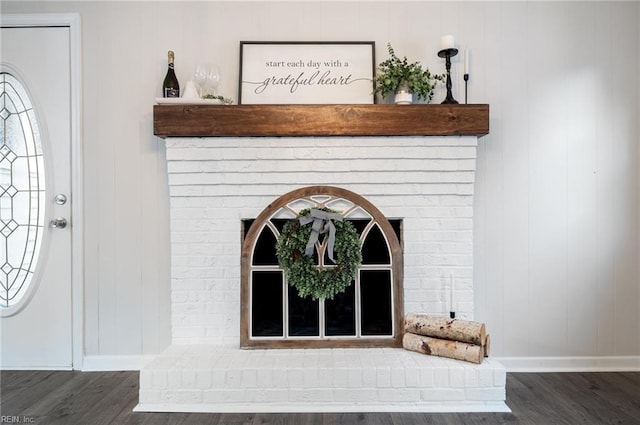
(321, 224)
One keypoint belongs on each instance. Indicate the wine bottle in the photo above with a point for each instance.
(170, 85)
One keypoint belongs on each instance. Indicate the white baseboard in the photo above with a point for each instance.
(22, 368)
(115, 363)
(571, 364)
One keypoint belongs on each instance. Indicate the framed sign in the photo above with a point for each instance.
(306, 72)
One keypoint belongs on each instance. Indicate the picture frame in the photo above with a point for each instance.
(303, 72)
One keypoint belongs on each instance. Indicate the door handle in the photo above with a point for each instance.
(58, 223)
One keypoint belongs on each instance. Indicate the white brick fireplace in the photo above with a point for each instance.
(215, 183)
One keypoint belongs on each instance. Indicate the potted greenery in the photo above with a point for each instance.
(404, 79)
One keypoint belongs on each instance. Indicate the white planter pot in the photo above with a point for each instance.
(403, 98)
(403, 95)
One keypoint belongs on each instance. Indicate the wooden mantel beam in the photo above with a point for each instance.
(320, 120)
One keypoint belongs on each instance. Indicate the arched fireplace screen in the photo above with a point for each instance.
(368, 314)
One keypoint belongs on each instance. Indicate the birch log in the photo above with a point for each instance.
(445, 328)
(443, 348)
(487, 346)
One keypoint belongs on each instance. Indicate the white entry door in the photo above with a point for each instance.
(35, 198)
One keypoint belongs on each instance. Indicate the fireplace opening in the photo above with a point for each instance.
(368, 313)
(339, 313)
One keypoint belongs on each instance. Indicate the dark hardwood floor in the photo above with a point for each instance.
(101, 398)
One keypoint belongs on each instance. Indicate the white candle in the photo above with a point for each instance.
(466, 61)
(451, 290)
(447, 42)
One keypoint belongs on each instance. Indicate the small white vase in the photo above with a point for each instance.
(190, 91)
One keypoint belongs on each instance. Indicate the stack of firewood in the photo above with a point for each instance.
(444, 337)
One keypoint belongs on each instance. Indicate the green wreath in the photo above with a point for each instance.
(296, 258)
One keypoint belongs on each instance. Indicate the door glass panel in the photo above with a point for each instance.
(22, 191)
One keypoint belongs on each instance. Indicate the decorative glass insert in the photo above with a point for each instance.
(364, 311)
(22, 191)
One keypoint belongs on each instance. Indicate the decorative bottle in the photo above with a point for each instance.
(170, 85)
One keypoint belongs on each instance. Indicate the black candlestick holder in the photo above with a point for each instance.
(448, 54)
(466, 83)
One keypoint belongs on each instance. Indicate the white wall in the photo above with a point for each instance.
(557, 245)
(557, 234)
